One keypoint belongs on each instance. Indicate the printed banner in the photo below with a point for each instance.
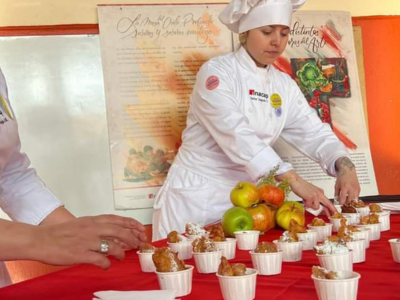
(151, 55)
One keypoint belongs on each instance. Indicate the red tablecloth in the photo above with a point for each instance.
(379, 277)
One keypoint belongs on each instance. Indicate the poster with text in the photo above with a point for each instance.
(320, 57)
(150, 56)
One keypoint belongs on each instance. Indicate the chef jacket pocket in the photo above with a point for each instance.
(188, 187)
(182, 185)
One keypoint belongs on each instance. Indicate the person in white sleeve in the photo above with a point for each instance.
(61, 238)
(239, 107)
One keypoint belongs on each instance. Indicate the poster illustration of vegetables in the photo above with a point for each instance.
(320, 57)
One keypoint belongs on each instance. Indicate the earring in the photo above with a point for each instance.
(242, 38)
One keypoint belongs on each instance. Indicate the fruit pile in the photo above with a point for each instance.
(261, 207)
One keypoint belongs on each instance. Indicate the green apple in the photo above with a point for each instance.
(245, 194)
(236, 219)
(290, 210)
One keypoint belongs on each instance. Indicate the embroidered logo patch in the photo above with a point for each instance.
(258, 96)
(212, 83)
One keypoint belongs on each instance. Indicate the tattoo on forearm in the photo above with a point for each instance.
(344, 162)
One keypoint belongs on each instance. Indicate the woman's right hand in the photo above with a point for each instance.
(312, 195)
(79, 241)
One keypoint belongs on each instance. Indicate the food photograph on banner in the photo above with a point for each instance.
(320, 57)
(151, 55)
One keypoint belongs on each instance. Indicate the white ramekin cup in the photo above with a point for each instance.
(375, 230)
(345, 288)
(354, 218)
(146, 261)
(183, 248)
(395, 247)
(180, 281)
(207, 262)
(309, 239)
(239, 287)
(247, 239)
(336, 262)
(336, 222)
(267, 263)
(322, 231)
(228, 247)
(362, 234)
(384, 219)
(358, 247)
(290, 251)
(364, 211)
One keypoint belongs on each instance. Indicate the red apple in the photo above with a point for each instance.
(290, 210)
(263, 217)
(272, 195)
(245, 194)
(236, 219)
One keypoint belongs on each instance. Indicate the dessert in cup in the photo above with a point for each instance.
(172, 273)
(300, 233)
(206, 255)
(145, 254)
(194, 230)
(267, 259)
(345, 236)
(291, 247)
(247, 239)
(237, 282)
(348, 210)
(335, 285)
(360, 206)
(180, 244)
(334, 256)
(372, 222)
(323, 229)
(227, 245)
(335, 220)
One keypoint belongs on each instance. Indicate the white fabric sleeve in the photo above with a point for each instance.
(306, 132)
(23, 195)
(220, 114)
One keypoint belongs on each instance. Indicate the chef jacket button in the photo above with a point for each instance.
(251, 110)
(270, 115)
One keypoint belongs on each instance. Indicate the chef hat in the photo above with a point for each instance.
(243, 15)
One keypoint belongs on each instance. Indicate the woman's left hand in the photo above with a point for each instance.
(347, 186)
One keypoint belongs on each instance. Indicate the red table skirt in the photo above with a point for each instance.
(379, 277)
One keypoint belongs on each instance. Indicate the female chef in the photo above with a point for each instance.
(61, 239)
(239, 107)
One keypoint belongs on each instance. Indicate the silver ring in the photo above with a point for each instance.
(104, 247)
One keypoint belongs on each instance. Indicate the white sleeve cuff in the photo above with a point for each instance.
(330, 162)
(265, 161)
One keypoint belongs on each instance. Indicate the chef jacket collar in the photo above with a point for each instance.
(249, 64)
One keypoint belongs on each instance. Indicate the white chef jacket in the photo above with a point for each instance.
(23, 196)
(237, 112)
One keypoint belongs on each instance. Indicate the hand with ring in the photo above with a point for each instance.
(86, 240)
(104, 247)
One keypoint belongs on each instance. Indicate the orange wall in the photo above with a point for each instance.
(381, 46)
